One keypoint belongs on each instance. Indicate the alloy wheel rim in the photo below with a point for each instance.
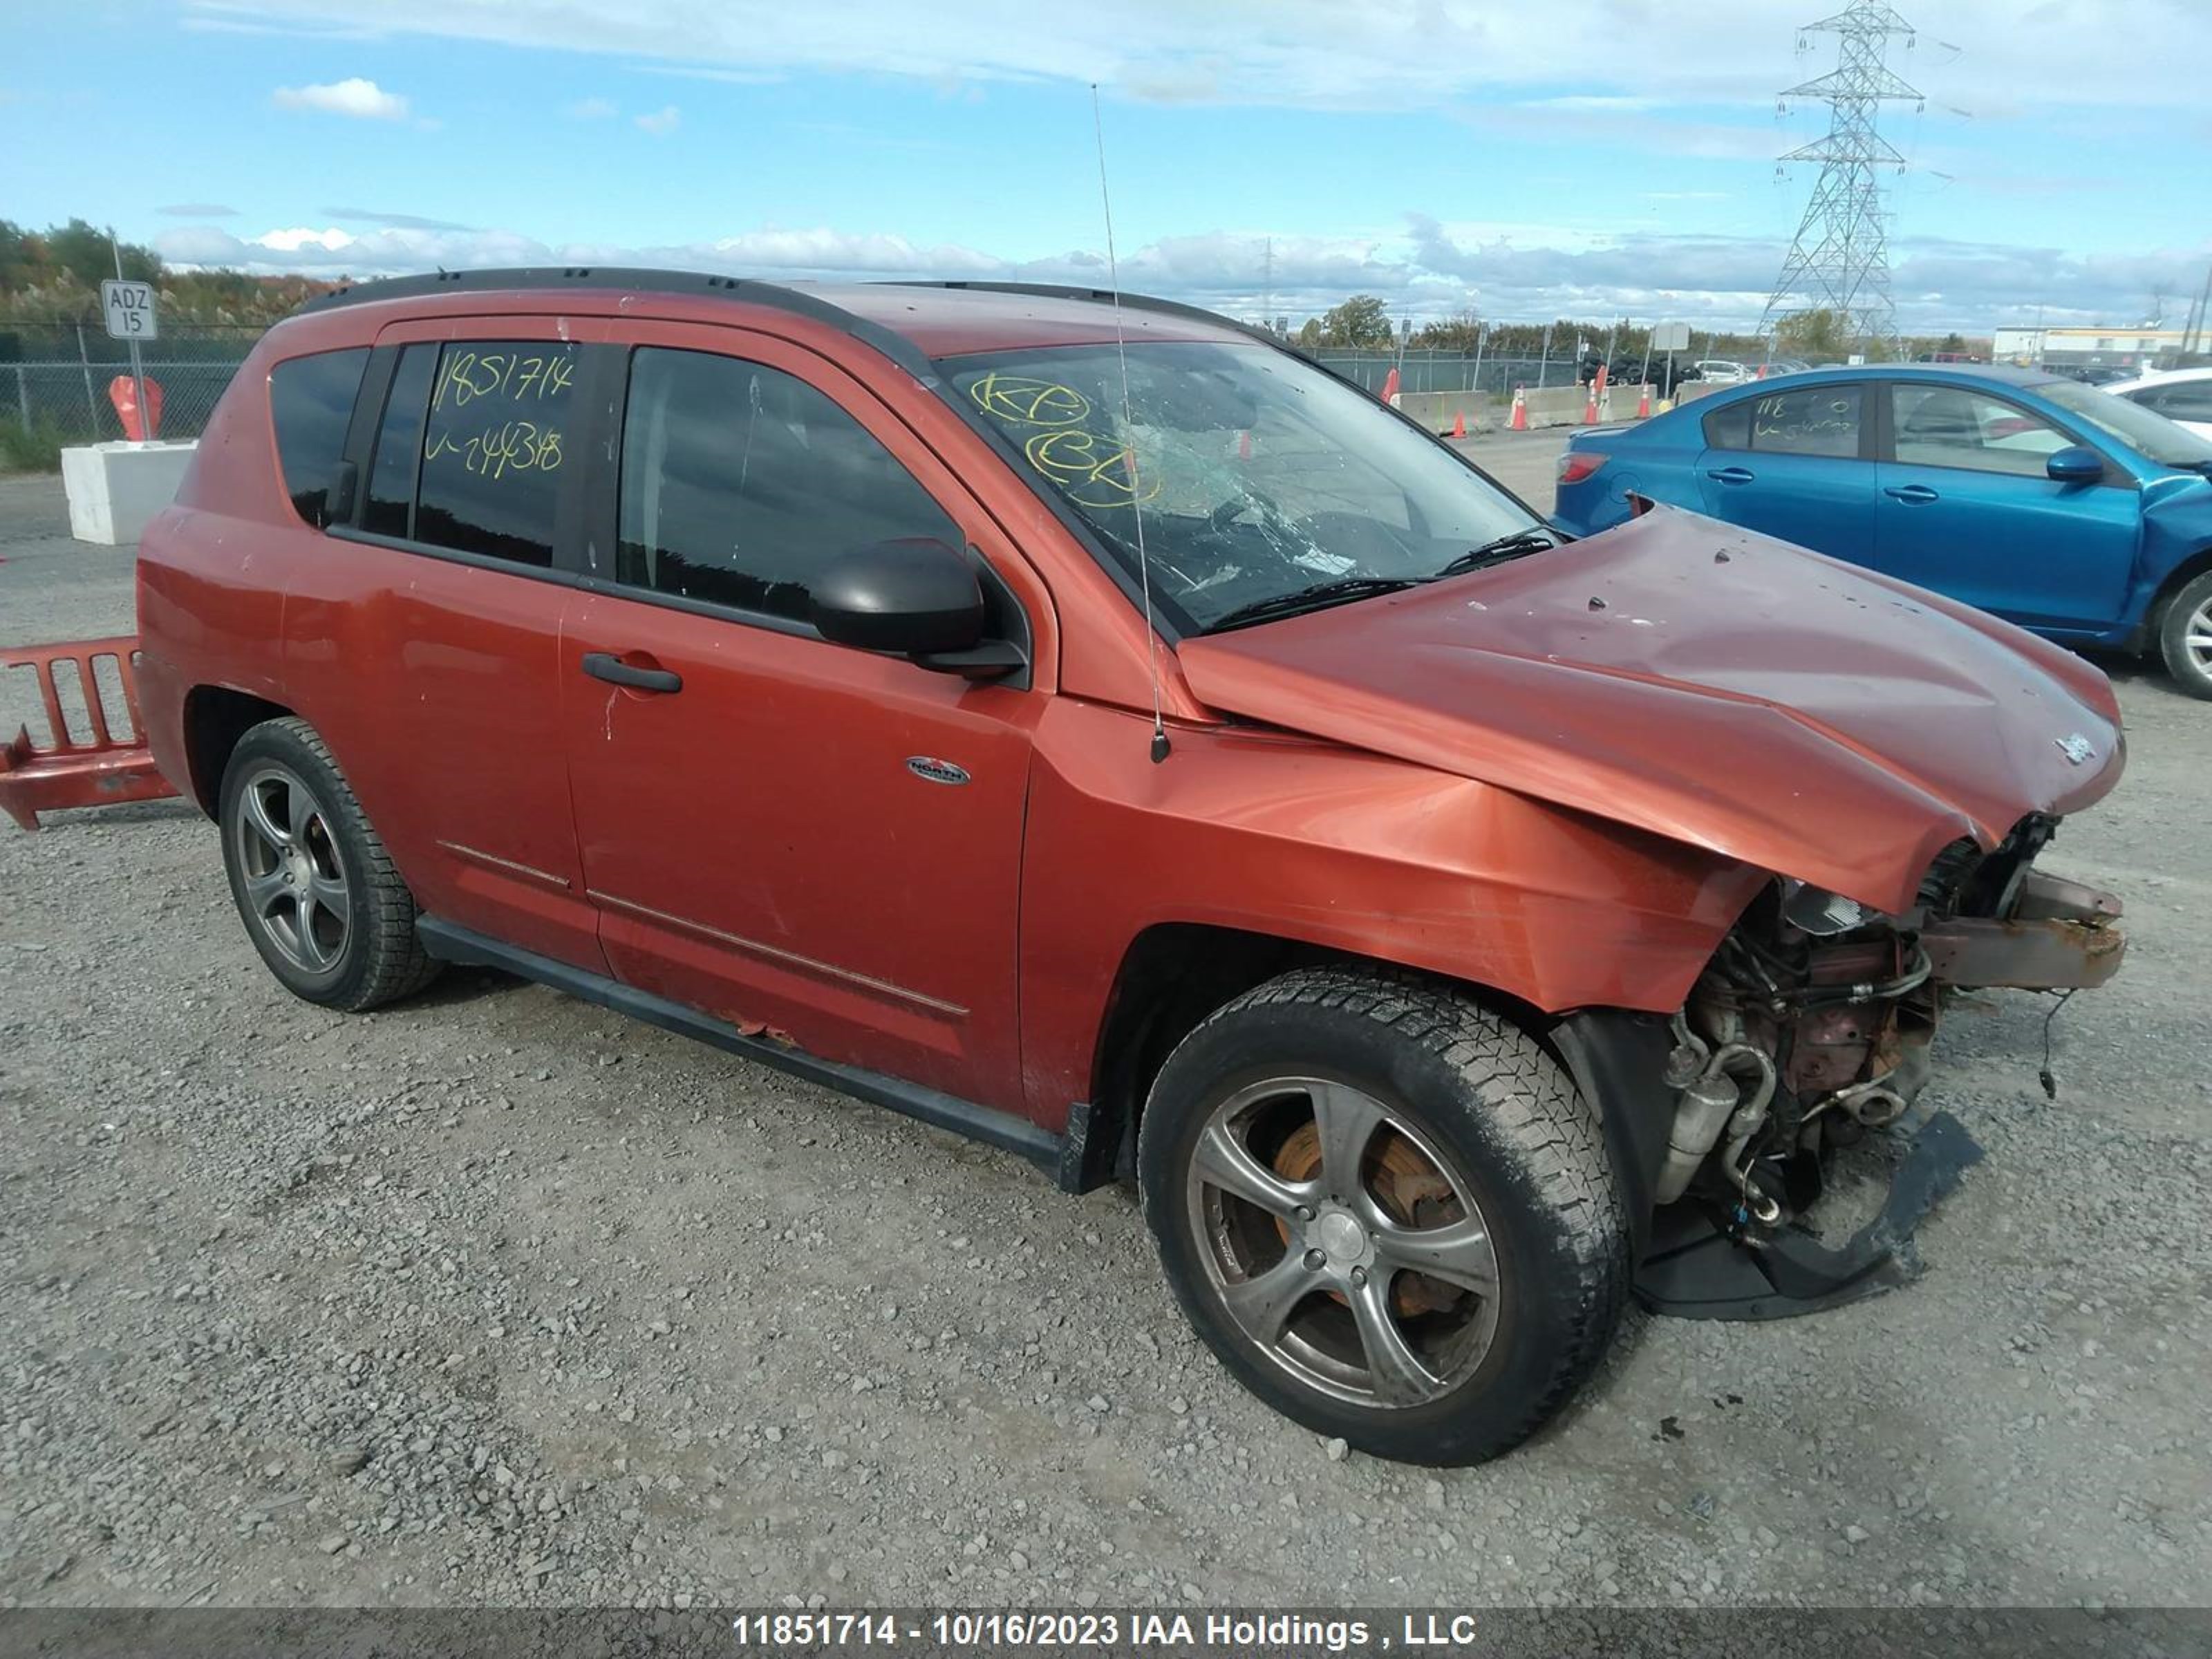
(1342, 1244)
(297, 891)
(2197, 638)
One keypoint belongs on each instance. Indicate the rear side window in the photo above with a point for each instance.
(1817, 421)
(311, 404)
(493, 444)
(738, 482)
(1812, 421)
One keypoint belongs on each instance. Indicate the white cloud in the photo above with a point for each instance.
(662, 122)
(361, 99)
(294, 241)
(1516, 273)
(1376, 54)
(591, 109)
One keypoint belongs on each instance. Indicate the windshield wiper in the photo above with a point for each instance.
(1533, 539)
(1316, 596)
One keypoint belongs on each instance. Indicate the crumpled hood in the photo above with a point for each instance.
(1711, 685)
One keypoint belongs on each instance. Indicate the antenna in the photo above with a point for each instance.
(1129, 426)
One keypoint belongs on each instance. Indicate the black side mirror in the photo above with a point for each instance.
(917, 599)
(2076, 464)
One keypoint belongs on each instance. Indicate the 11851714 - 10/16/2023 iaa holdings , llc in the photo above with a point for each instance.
(1241, 1633)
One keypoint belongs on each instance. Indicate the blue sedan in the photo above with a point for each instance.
(2070, 512)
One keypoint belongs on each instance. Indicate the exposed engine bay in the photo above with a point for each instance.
(1808, 1031)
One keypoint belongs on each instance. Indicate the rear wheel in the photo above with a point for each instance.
(2184, 637)
(312, 882)
(1387, 1211)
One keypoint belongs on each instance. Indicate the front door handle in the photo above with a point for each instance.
(606, 665)
(1731, 475)
(1911, 495)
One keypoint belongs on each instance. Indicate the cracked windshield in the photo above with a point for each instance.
(1266, 487)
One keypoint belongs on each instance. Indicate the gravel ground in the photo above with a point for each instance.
(494, 1298)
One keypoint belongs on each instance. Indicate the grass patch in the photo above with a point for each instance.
(39, 450)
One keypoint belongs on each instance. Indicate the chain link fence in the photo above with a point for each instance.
(1420, 371)
(55, 378)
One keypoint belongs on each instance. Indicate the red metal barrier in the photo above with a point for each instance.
(65, 773)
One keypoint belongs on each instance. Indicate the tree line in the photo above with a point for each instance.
(53, 275)
(1364, 322)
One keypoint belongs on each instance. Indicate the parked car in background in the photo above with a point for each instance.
(2079, 515)
(1780, 366)
(2092, 373)
(1328, 850)
(2183, 396)
(1722, 371)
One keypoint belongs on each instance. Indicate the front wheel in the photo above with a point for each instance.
(2184, 637)
(1387, 1211)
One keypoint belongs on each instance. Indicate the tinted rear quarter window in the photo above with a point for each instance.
(493, 446)
(1729, 428)
(311, 404)
(389, 509)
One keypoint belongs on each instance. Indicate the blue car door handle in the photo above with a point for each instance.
(1731, 475)
(1911, 495)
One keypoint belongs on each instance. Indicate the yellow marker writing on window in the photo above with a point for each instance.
(1027, 402)
(1089, 471)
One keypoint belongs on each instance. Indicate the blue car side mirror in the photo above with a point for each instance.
(2076, 464)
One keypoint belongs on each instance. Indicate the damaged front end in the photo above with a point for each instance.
(1808, 1031)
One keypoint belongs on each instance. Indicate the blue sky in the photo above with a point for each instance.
(1583, 157)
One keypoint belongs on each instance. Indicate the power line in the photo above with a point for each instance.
(1840, 260)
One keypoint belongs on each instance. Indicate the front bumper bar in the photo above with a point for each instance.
(2060, 936)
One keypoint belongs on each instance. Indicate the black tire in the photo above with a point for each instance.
(362, 950)
(1506, 1118)
(2191, 669)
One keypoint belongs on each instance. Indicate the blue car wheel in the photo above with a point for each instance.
(2184, 637)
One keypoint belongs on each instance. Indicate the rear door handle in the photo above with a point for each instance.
(1911, 495)
(1731, 475)
(606, 665)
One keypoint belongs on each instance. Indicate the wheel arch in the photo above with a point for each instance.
(1174, 974)
(216, 718)
(2187, 570)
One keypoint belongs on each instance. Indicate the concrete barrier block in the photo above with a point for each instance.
(115, 489)
(1556, 405)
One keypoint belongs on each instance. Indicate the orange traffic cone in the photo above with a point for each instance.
(1643, 403)
(1519, 422)
(1459, 423)
(1596, 391)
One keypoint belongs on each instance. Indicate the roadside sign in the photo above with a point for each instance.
(128, 309)
(1670, 337)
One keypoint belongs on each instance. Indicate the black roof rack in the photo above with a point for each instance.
(892, 343)
(541, 277)
(1104, 296)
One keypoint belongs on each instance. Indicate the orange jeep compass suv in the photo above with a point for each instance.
(1094, 728)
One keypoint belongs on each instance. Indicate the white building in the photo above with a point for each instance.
(2080, 348)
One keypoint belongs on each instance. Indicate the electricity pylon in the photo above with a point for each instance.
(1840, 260)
